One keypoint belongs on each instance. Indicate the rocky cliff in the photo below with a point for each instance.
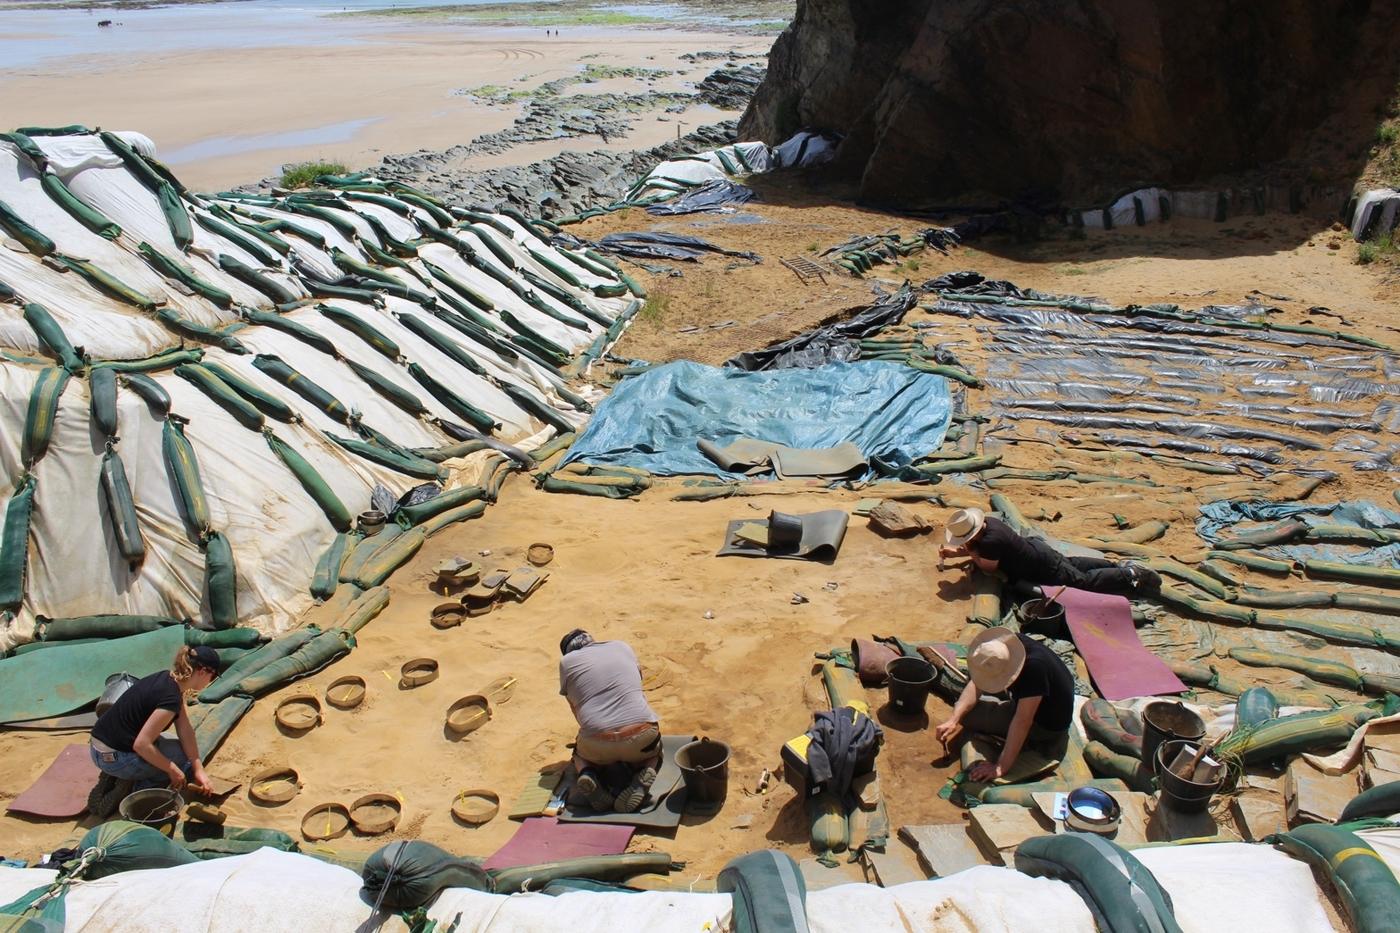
(1073, 101)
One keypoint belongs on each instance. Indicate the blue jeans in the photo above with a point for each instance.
(129, 766)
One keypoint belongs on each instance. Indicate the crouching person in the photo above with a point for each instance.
(603, 684)
(126, 742)
(1018, 691)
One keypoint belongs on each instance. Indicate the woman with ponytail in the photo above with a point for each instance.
(127, 745)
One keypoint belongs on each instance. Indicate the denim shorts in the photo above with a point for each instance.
(129, 766)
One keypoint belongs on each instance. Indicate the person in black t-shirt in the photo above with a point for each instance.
(127, 745)
(994, 546)
(1036, 712)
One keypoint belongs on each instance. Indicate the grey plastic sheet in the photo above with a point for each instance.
(834, 342)
(657, 245)
(712, 197)
(811, 536)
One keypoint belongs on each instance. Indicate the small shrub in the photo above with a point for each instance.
(812, 247)
(1366, 253)
(912, 265)
(656, 306)
(1388, 134)
(302, 174)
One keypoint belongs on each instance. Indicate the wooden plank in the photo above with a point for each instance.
(944, 849)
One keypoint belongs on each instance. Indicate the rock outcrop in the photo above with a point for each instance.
(1074, 101)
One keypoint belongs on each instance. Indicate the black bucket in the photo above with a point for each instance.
(1037, 620)
(705, 768)
(910, 681)
(158, 808)
(1181, 795)
(1164, 720)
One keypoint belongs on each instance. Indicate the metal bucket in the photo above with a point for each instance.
(1166, 720)
(117, 684)
(158, 808)
(705, 768)
(1181, 795)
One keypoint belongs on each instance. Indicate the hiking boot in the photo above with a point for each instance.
(107, 795)
(635, 793)
(588, 789)
(1144, 582)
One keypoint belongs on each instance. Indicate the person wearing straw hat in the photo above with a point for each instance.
(1018, 691)
(996, 548)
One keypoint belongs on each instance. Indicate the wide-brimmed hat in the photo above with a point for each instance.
(962, 526)
(995, 659)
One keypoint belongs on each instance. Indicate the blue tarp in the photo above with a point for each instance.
(1219, 519)
(891, 412)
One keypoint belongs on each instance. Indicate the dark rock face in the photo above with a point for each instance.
(1077, 100)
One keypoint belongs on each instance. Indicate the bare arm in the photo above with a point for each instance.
(948, 730)
(1016, 735)
(185, 730)
(145, 746)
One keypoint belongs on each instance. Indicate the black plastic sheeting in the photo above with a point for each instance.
(713, 197)
(667, 246)
(974, 283)
(832, 343)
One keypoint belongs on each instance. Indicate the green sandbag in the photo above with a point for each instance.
(121, 510)
(105, 282)
(1383, 800)
(31, 238)
(1367, 885)
(220, 581)
(965, 465)
(393, 459)
(1104, 725)
(520, 878)
(385, 560)
(1290, 529)
(1253, 561)
(1106, 763)
(1209, 677)
(985, 607)
(327, 575)
(1023, 794)
(1197, 579)
(1319, 669)
(101, 626)
(460, 514)
(452, 401)
(52, 338)
(1304, 732)
(102, 389)
(63, 679)
(1353, 573)
(150, 391)
(184, 473)
(218, 336)
(1206, 608)
(406, 875)
(476, 299)
(254, 230)
(230, 681)
(205, 841)
(94, 220)
(222, 394)
(1366, 602)
(451, 451)
(161, 361)
(551, 447)
(41, 414)
(620, 490)
(1009, 513)
(14, 543)
(224, 638)
(265, 402)
(411, 515)
(390, 390)
(365, 548)
(275, 291)
(275, 368)
(1282, 599)
(363, 330)
(311, 657)
(769, 893)
(285, 324)
(1118, 889)
(311, 481)
(828, 826)
(21, 916)
(843, 686)
(214, 721)
(174, 270)
(364, 609)
(496, 476)
(1344, 633)
(1256, 705)
(124, 846)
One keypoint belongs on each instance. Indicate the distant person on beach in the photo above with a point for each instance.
(126, 743)
(1017, 691)
(995, 548)
(619, 739)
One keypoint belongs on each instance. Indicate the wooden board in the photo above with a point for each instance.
(1259, 814)
(1313, 797)
(998, 828)
(944, 849)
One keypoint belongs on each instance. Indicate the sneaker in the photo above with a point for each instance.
(1144, 582)
(592, 792)
(635, 793)
(107, 795)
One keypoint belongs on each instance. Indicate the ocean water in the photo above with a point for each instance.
(32, 38)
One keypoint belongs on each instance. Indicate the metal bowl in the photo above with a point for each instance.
(1090, 810)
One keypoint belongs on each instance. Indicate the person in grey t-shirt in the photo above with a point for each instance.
(603, 683)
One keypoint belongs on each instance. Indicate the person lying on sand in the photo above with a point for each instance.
(603, 683)
(1035, 712)
(126, 742)
(995, 547)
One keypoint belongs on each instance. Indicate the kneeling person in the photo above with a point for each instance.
(603, 684)
(1036, 711)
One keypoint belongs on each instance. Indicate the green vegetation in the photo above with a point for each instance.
(657, 304)
(1382, 249)
(912, 265)
(302, 174)
(1387, 134)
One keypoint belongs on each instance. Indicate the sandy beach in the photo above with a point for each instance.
(356, 90)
